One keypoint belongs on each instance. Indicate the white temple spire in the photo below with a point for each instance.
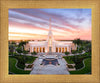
(50, 24)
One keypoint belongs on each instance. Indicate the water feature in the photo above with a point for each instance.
(48, 61)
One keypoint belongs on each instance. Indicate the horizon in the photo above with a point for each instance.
(45, 40)
(33, 24)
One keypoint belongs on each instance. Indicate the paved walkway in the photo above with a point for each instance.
(49, 69)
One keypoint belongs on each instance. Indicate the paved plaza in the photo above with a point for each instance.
(49, 69)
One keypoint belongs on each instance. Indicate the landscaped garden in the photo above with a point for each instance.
(20, 60)
(13, 69)
(86, 69)
(68, 59)
(79, 56)
(78, 61)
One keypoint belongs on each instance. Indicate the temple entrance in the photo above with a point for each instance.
(50, 49)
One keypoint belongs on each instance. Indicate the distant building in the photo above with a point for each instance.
(50, 45)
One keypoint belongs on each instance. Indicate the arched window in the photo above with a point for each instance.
(43, 49)
(62, 50)
(37, 49)
(59, 49)
(56, 49)
(40, 49)
(34, 49)
(66, 49)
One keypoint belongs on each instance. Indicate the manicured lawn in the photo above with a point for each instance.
(13, 69)
(77, 59)
(86, 69)
(30, 59)
(21, 63)
(22, 59)
(68, 59)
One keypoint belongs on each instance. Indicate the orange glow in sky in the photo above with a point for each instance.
(28, 25)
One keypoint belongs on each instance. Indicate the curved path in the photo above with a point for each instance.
(14, 69)
(86, 69)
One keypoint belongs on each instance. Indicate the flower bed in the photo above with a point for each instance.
(28, 67)
(71, 67)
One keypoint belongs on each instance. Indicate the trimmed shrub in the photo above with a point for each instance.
(25, 52)
(15, 54)
(74, 51)
(33, 53)
(10, 53)
(66, 53)
(19, 50)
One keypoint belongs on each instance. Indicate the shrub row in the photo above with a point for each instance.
(22, 59)
(77, 59)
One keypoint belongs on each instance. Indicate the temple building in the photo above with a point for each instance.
(50, 45)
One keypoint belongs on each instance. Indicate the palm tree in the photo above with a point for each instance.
(88, 47)
(78, 42)
(22, 43)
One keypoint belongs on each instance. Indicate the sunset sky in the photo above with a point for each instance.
(33, 24)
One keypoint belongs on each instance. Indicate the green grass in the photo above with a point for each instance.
(13, 69)
(77, 60)
(22, 59)
(30, 59)
(68, 59)
(86, 69)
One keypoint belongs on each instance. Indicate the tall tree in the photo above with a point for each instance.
(22, 43)
(19, 50)
(11, 49)
(78, 42)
